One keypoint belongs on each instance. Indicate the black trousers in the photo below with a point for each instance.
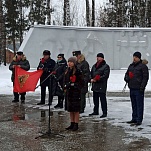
(83, 102)
(137, 101)
(43, 94)
(16, 96)
(60, 101)
(102, 97)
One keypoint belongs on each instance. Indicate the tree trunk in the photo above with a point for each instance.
(132, 25)
(66, 18)
(87, 13)
(48, 13)
(2, 37)
(14, 43)
(93, 13)
(21, 22)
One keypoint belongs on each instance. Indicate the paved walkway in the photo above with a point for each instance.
(21, 124)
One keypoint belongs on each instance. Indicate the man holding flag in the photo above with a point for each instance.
(19, 61)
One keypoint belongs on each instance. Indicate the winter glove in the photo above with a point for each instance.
(73, 78)
(131, 75)
(127, 78)
(97, 77)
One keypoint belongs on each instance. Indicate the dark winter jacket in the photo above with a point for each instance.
(83, 65)
(103, 70)
(137, 75)
(73, 90)
(59, 71)
(24, 63)
(47, 66)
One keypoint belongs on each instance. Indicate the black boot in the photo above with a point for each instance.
(61, 104)
(57, 106)
(14, 101)
(75, 128)
(103, 115)
(71, 126)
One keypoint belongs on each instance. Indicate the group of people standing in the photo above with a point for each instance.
(69, 81)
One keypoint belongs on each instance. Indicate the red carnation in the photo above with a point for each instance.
(97, 77)
(131, 75)
(73, 78)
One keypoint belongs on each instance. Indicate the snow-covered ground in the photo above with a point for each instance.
(119, 108)
(115, 82)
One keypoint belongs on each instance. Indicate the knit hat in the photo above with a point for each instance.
(100, 55)
(46, 52)
(61, 55)
(72, 59)
(137, 54)
(19, 53)
(76, 53)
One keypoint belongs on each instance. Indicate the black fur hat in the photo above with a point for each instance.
(61, 55)
(100, 55)
(137, 54)
(19, 53)
(46, 52)
(76, 53)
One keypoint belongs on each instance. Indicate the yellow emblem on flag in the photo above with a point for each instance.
(22, 79)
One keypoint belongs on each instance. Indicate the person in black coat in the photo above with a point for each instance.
(73, 83)
(47, 65)
(20, 61)
(83, 65)
(60, 69)
(137, 77)
(99, 77)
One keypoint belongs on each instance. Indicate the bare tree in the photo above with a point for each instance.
(87, 12)
(48, 11)
(66, 18)
(2, 37)
(93, 13)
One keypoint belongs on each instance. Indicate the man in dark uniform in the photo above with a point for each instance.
(99, 77)
(137, 77)
(83, 65)
(60, 69)
(20, 61)
(47, 65)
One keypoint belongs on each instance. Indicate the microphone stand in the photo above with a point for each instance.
(48, 134)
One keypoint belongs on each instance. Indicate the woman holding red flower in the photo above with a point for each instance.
(73, 82)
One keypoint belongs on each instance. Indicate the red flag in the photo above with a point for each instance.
(26, 81)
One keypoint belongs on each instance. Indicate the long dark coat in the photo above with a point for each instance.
(47, 66)
(141, 75)
(83, 65)
(73, 93)
(24, 63)
(103, 70)
(59, 69)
